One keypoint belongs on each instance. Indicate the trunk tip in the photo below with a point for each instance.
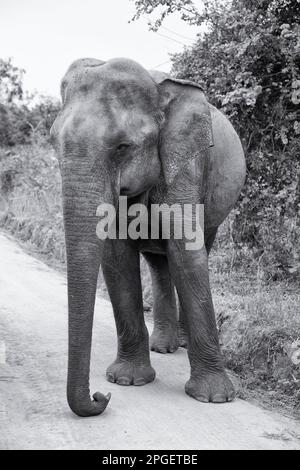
(100, 398)
(87, 407)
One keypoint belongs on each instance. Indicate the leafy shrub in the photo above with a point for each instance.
(22, 119)
(248, 59)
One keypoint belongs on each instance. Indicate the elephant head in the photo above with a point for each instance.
(115, 135)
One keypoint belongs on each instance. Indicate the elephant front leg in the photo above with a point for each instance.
(189, 269)
(164, 337)
(182, 330)
(121, 271)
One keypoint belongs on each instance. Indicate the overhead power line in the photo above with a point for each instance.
(171, 39)
(159, 65)
(177, 34)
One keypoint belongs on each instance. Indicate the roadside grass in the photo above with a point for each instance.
(31, 198)
(258, 321)
(259, 328)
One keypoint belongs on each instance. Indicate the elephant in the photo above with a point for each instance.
(125, 131)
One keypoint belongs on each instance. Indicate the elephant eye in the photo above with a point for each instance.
(123, 146)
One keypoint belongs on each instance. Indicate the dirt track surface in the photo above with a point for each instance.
(33, 357)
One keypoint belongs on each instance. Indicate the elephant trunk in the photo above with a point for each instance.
(84, 252)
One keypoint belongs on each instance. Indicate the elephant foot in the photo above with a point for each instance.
(214, 387)
(182, 336)
(164, 340)
(129, 373)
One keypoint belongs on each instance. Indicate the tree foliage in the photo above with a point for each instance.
(22, 118)
(11, 77)
(186, 8)
(247, 58)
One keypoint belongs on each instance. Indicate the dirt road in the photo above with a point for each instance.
(33, 409)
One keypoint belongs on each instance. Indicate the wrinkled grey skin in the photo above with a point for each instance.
(123, 130)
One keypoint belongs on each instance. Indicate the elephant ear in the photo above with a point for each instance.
(186, 129)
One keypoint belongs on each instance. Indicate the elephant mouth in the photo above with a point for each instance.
(130, 193)
(135, 192)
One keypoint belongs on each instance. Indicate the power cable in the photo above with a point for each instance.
(171, 39)
(177, 34)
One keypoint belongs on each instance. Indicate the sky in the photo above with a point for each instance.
(45, 36)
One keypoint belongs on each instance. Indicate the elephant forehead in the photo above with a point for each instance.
(110, 83)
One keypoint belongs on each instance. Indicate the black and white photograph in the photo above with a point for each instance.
(149, 227)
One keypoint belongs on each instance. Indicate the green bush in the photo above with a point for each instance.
(248, 60)
(22, 119)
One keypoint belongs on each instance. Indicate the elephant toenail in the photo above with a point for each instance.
(123, 381)
(231, 396)
(202, 398)
(218, 398)
(140, 381)
(110, 377)
(162, 350)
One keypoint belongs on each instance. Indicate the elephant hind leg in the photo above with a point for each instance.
(164, 338)
(182, 330)
(209, 239)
